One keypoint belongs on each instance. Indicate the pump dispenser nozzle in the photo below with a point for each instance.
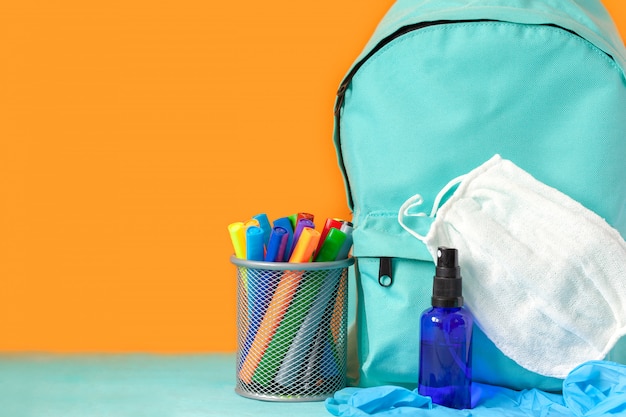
(447, 283)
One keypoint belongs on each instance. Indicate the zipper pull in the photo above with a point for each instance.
(385, 279)
(341, 93)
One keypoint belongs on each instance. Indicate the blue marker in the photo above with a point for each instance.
(257, 286)
(321, 365)
(329, 365)
(277, 245)
(254, 243)
(264, 224)
(285, 223)
(254, 252)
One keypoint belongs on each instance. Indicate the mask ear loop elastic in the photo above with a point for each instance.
(418, 200)
(414, 201)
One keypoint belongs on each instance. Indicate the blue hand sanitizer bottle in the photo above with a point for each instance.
(445, 372)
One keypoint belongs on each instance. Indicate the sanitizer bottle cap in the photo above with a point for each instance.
(447, 282)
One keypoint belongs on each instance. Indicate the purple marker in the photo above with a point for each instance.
(302, 223)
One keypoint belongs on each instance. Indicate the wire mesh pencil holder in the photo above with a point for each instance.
(291, 329)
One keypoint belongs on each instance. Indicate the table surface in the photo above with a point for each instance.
(44, 385)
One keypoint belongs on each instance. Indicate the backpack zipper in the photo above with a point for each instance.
(385, 277)
(385, 41)
(343, 87)
(403, 31)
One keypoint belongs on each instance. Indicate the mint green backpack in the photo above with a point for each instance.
(440, 88)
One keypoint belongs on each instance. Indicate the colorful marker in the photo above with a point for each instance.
(264, 224)
(237, 233)
(330, 223)
(305, 336)
(256, 286)
(277, 245)
(283, 315)
(302, 224)
(285, 223)
(320, 365)
(331, 246)
(286, 333)
(303, 215)
(277, 308)
(254, 244)
(251, 222)
(260, 286)
(346, 228)
(293, 218)
(307, 290)
(306, 244)
(339, 307)
(272, 318)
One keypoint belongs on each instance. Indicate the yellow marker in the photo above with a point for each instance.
(237, 232)
(303, 252)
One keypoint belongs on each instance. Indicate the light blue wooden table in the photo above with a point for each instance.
(46, 385)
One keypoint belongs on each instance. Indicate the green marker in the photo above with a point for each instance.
(292, 321)
(307, 331)
(331, 246)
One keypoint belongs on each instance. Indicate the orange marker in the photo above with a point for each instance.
(303, 252)
(252, 222)
(338, 310)
(274, 314)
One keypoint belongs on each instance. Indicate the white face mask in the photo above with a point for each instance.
(544, 277)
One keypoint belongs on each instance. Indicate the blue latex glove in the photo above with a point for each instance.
(489, 401)
(593, 389)
(596, 388)
(376, 401)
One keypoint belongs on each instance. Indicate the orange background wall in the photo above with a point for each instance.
(132, 133)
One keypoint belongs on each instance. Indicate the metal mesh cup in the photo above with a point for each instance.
(291, 329)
